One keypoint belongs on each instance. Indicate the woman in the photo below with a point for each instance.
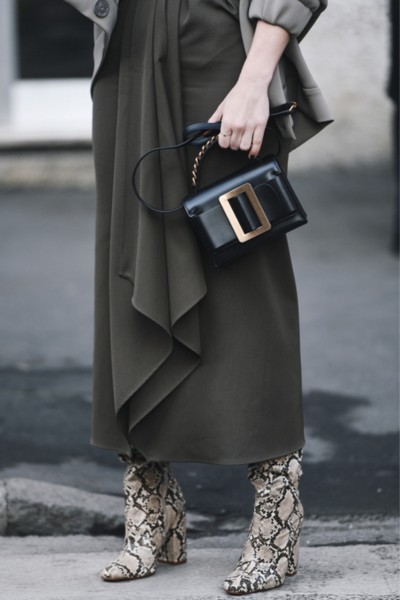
(193, 363)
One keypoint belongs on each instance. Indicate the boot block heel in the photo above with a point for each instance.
(293, 559)
(173, 550)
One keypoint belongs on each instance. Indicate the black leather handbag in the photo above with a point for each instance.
(234, 214)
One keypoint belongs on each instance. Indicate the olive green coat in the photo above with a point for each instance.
(191, 363)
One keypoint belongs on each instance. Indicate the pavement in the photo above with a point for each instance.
(61, 499)
(65, 569)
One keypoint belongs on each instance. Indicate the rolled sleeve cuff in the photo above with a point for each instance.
(292, 15)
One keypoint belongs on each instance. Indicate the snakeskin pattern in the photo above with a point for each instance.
(155, 523)
(271, 549)
(173, 549)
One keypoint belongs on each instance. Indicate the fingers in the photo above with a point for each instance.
(238, 137)
(217, 115)
(258, 137)
(224, 137)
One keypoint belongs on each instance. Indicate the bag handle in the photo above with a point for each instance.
(210, 143)
(198, 134)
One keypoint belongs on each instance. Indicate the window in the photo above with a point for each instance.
(54, 40)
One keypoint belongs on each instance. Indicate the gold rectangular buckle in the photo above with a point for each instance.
(241, 235)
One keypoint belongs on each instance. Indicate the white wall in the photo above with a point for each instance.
(8, 56)
(348, 52)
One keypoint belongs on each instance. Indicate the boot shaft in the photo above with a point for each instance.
(270, 475)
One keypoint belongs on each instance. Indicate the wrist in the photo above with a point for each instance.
(256, 77)
(268, 45)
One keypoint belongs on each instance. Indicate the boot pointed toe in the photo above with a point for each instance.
(116, 572)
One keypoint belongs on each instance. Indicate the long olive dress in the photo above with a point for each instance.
(191, 363)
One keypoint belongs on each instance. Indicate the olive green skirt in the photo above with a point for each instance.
(191, 363)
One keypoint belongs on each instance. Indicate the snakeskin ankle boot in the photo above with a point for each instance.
(272, 547)
(155, 521)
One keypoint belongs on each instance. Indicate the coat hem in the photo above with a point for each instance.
(223, 461)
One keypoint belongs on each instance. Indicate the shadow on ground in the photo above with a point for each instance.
(45, 421)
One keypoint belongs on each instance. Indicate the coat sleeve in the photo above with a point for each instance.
(296, 16)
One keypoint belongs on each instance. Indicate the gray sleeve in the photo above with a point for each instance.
(296, 16)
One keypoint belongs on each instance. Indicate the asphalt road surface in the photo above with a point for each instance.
(347, 282)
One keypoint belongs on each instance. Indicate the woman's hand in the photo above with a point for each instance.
(244, 112)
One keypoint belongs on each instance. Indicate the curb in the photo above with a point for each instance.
(30, 507)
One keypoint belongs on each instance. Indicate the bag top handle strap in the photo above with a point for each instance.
(198, 134)
(210, 143)
(197, 131)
